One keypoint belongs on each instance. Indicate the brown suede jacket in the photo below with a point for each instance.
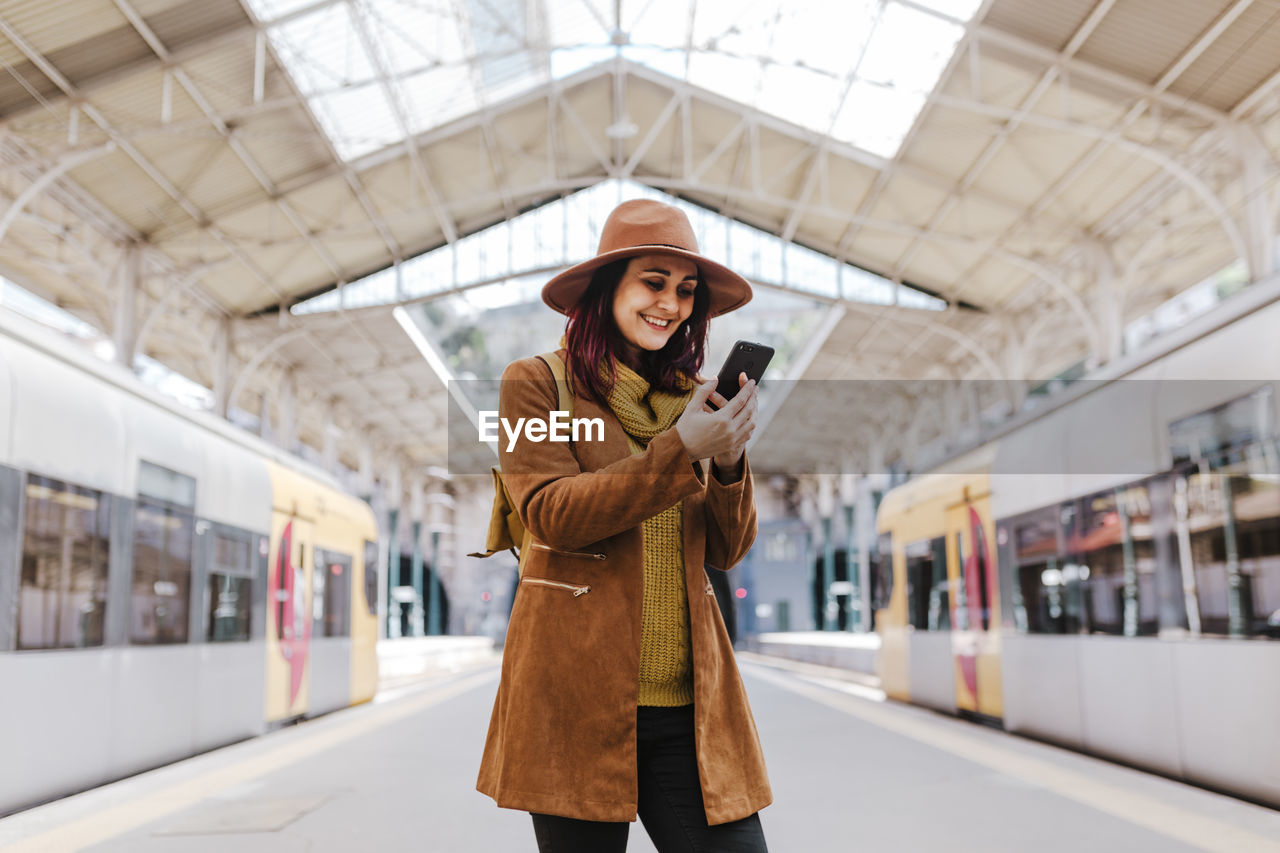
(562, 738)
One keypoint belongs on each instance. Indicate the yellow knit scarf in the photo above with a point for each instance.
(666, 657)
(644, 413)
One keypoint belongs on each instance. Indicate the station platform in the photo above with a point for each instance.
(850, 772)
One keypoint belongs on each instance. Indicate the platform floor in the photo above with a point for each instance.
(850, 772)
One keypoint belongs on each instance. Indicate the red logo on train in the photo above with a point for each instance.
(287, 591)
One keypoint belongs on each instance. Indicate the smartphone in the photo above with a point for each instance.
(745, 357)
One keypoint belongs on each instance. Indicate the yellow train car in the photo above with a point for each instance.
(940, 633)
(321, 613)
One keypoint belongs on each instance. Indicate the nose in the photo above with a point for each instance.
(667, 299)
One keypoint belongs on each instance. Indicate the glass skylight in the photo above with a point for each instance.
(522, 253)
(376, 71)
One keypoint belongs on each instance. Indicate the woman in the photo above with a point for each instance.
(619, 692)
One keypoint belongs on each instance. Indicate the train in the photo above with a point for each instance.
(169, 583)
(1104, 573)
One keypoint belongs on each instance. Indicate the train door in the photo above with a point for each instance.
(975, 617)
(289, 609)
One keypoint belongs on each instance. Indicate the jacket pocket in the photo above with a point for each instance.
(576, 589)
(538, 546)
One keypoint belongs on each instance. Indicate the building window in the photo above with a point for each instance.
(62, 597)
(163, 539)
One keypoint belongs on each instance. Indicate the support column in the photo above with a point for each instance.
(222, 368)
(826, 511)
(393, 495)
(1237, 620)
(1108, 302)
(808, 514)
(1257, 218)
(329, 452)
(264, 419)
(1129, 564)
(1015, 365)
(288, 402)
(439, 505)
(128, 282)
(416, 626)
(867, 504)
(848, 500)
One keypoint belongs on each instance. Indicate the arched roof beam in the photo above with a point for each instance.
(94, 115)
(1112, 137)
(1171, 74)
(1124, 84)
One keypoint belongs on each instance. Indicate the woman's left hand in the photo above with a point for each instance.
(748, 402)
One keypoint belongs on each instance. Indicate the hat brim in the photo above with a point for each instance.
(728, 290)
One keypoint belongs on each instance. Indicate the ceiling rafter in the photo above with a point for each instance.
(1138, 109)
(1028, 103)
(400, 112)
(57, 78)
(232, 141)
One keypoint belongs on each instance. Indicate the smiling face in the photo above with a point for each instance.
(654, 296)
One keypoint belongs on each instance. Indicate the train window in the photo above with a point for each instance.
(1112, 557)
(922, 560)
(1046, 590)
(333, 585)
(230, 600)
(63, 589)
(165, 486)
(1234, 524)
(163, 539)
(371, 577)
(230, 589)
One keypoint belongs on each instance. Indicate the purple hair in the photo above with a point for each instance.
(593, 339)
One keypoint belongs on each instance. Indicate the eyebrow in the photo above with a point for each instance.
(668, 273)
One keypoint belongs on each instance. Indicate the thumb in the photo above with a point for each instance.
(700, 395)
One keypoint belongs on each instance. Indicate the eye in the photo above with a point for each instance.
(686, 292)
(655, 283)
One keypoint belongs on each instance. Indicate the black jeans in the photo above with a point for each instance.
(670, 804)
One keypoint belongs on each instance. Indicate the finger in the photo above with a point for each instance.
(740, 401)
(717, 400)
(701, 393)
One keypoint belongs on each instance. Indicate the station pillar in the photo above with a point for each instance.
(826, 510)
(416, 627)
(848, 501)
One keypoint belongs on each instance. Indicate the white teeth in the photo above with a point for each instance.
(661, 324)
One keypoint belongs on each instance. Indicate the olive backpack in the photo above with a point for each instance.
(506, 530)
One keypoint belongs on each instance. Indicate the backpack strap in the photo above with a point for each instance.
(561, 376)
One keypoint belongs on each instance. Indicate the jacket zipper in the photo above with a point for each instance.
(574, 588)
(538, 546)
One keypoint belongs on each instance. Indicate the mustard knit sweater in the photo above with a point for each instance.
(666, 656)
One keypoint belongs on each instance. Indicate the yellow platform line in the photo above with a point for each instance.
(1196, 830)
(111, 821)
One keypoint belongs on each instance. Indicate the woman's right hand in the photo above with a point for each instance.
(708, 433)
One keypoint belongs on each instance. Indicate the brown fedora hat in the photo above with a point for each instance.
(647, 227)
